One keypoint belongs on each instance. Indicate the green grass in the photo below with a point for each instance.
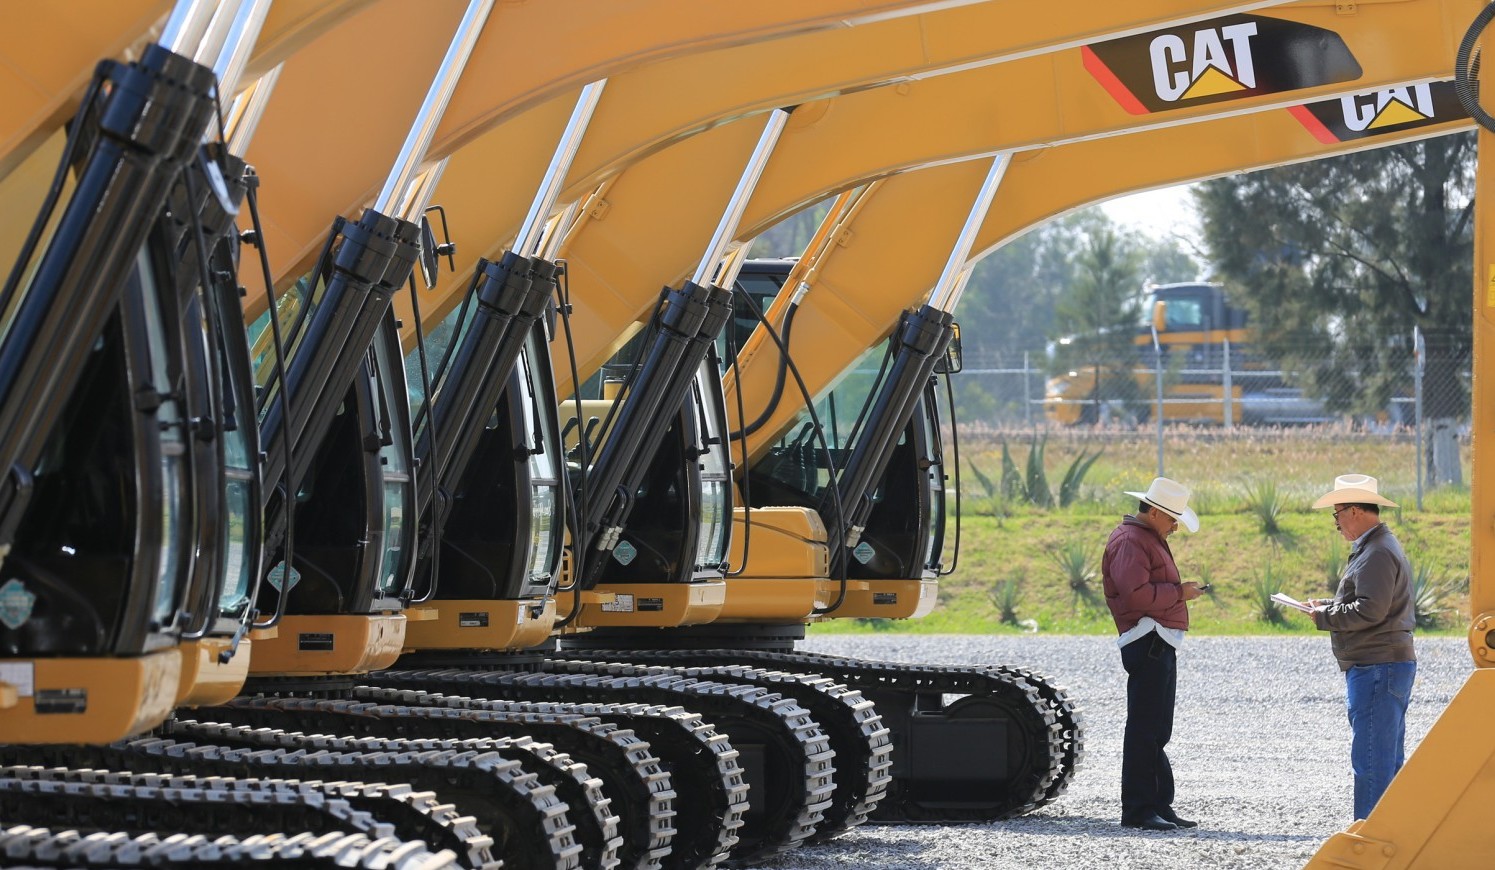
(1230, 549)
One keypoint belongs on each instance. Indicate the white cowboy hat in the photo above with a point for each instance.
(1354, 489)
(1172, 498)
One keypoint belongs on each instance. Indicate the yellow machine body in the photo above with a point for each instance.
(86, 700)
(504, 75)
(318, 645)
(478, 624)
(649, 605)
(711, 88)
(51, 49)
(206, 680)
(1434, 814)
(1066, 393)
(648, 225)
(1039, 185)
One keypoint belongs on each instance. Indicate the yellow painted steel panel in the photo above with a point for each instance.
(205, 680)
(485, 625)
(330, 644)
(88, 700)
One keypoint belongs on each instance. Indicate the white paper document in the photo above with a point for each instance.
(1289, 601)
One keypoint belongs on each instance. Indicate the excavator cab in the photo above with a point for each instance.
(491, 566)
(99, 501)
(223, 446)
(903, 541)
(667, 563)
(345, 507)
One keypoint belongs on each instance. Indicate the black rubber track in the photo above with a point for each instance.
(125, 807)
(863, 748)
(640, 790)
(1050, 736)
(485, 781)
(569, 781)
(801, 780)
(23, 847)
(710, 793)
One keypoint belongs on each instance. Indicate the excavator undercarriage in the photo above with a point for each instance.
(316, 556)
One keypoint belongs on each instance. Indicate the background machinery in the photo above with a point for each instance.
(465, 775)
(1209, 353)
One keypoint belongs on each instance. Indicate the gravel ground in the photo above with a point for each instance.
(1260, 755)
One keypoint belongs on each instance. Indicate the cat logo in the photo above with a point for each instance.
(1229, 58)
(1389, 110)
(1211, 68)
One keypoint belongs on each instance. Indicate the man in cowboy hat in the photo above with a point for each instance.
(1148, 602)
(1370, 620)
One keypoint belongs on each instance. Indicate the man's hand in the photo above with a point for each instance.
(1192, 591)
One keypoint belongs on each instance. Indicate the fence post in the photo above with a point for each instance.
(1027, 401)
(1418, 350)
(1157, 355)
(1229, 397)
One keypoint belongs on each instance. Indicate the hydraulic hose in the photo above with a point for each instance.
(1466, 69)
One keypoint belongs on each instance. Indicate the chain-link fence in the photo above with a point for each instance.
(1414, 395)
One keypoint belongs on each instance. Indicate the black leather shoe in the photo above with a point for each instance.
(1170, 816)
(1153, 822)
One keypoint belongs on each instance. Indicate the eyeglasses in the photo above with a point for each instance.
(1340, 510)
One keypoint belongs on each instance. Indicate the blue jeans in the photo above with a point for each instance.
(1377, 696)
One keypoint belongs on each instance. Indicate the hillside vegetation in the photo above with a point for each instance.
(1023, 567)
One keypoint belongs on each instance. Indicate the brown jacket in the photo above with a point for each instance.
(1372, 616)
(1140, 578)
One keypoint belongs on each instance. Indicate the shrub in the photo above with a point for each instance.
(1264, 585)
(992, 501)
(1079, 566)
(1004, 595)
(1428, 596)
(1265, 501)
(1331, 561)
(1037, 481)
(1069, 487)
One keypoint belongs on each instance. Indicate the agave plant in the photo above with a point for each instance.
(1031, 485)
(1264, 585)
(1005, 595)
(1206, 577)
(1037, 481)
(1069, 487)
(994, 501)
(1013, 486)
(1079, 566)
(1331, 562)
(1428, 593)
(1267, 502)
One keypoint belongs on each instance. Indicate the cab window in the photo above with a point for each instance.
(1185, 314)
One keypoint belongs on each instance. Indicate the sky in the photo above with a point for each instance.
(1159, 213)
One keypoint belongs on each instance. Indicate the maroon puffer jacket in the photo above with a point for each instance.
(1140, 578)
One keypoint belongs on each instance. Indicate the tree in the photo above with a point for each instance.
(1006, 314)
(1167, 262)
(1100, 310)
(1337, 259)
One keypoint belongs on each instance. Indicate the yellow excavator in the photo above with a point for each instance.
(75, 700)
(693, 602)
(729, 628)
(283, 580)
(1429, 816)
